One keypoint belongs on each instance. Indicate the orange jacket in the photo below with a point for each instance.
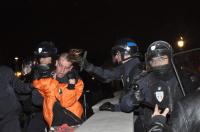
(52, 90)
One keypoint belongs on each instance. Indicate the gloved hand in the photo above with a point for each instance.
(84, 63)
(72, 74)
(107, 106)
(72, 77)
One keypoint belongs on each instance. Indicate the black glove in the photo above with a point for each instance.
(72, 75)
(107, 106)
(83, 64)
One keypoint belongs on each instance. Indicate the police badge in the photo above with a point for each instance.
(159, 95)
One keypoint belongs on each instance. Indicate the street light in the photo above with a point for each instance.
(181, 43)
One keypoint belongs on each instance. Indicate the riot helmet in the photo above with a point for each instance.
(45, 49)
(158, 57)
(125, 46)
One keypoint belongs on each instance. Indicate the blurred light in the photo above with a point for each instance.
(93, 78)
(181, 43)
(18, 74)
(16, 58)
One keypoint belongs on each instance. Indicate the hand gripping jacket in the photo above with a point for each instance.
(52, 91)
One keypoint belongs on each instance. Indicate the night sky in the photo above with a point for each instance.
(93, 25)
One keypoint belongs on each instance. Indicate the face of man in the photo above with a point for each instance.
(63, 66)
(116, 58)
(46, 60)
(159, 61)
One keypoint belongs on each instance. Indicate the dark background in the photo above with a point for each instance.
(93, 25)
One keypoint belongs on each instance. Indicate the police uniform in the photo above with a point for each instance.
(124, 72)
(159, 86)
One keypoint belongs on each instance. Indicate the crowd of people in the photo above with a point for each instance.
(49, 92)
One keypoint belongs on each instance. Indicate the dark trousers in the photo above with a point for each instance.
(10, 125)
(62, 116)
(139, 125)
(37, 123)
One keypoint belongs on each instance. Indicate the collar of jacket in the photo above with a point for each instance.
(130, 64)
(62, 80)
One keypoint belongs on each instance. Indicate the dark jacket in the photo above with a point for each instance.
(121, 72)
(10, 84)
(148, 86)
(124, 72)
(184, 118)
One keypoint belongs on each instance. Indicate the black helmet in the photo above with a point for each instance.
(45, 49)
(125, 46)
(159, 49)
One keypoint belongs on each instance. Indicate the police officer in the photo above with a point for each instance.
(45, 55)
(159, 86)
(9, 104)
(125, 53)
(165, 88)
(43, 62)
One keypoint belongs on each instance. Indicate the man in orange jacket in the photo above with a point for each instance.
(61, 93)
